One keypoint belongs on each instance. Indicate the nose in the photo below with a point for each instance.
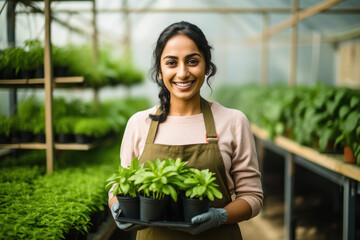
(183, 72)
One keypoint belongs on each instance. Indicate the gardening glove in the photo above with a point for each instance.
(211, 219)
(115, 212)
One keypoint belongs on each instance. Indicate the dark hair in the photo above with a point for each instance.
(195, 34)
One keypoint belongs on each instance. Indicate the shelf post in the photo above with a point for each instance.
(289, 196)
(48, 74)
(265, 53)
(294, 45)
(349, 209)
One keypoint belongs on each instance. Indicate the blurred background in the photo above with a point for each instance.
(293, 67)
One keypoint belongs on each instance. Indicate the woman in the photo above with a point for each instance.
(205, 134)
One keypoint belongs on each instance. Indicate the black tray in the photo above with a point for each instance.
(156, 223)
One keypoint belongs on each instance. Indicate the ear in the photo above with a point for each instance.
(160, 75)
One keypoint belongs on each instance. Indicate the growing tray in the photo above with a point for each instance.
(156, 223)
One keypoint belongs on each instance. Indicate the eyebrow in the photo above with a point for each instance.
(187, 56)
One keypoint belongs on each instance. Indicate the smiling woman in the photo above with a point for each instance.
(183, 72)
(206, 135)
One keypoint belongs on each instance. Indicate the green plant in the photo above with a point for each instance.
(121, 180)
(35, 53)
(349, 123)
(95, 127)
(65, 125)
(39, 122)
(201, 184)
(157, 179)
(5, 125)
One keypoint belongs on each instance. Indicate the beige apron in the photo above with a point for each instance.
(200, 156)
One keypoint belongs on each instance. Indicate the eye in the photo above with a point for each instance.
(193, 62)
(170, 63)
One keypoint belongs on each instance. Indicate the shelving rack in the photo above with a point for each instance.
(329, 166)
(49, 83)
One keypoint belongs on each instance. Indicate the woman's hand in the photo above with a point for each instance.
(205, 221)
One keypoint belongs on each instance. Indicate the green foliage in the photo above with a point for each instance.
(22, 58)
(121, 179)
(155, 179)
(28, 112)
(167, 177)
(95, 127)
(65, 125)
(35, 205)
(200, 184)
(320, 116)
(5, 125)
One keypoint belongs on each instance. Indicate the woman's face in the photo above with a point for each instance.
(182, 68)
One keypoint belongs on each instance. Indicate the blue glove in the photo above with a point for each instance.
(211, 219)
(115, 212)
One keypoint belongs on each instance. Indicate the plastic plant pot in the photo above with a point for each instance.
(83, 139)
(175, 210)
(65, 138)
(349, 156)
(153, 209)
(193, 207)
(4, 139)
(130, 206)
(26, 137)
(40, 137)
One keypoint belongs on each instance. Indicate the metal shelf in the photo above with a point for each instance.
(330, 166)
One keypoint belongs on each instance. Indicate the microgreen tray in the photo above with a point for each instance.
(156, 223)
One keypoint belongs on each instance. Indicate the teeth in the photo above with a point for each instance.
(183, 84)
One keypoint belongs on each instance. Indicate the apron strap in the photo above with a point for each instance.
(153, 128)
(211, 135)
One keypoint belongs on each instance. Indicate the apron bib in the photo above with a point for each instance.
(200, 156)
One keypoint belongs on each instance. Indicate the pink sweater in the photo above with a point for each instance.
(236, 144)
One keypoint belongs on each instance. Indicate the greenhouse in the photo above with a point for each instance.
(250, 107)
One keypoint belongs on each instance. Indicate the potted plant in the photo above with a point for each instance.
(39, 131)
(5, 130)
(25, 129)
(87, 129)
(201, 189)
(36, 57)
(64, 128)
(349, 125)
(60, 61)
(126, 190)
(155, 188)
(175, 210)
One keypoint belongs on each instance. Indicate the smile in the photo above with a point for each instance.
(183, 84)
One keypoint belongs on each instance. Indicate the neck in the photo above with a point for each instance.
(180, 107)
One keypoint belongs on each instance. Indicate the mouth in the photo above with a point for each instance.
(184, 85)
